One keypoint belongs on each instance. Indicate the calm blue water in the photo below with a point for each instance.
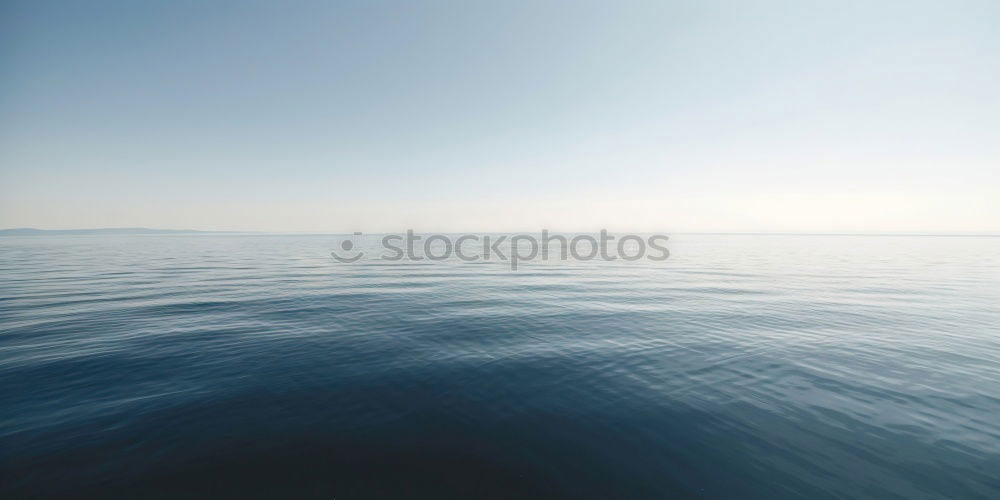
(743, 366)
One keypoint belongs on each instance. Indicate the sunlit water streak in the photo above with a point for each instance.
(743, 366)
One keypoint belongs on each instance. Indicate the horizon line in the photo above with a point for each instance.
(133, 230)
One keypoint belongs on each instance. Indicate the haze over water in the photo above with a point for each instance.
(743, 367)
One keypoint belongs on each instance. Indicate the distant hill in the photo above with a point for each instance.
(30, 231)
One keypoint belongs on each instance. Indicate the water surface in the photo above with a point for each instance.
(742, 367)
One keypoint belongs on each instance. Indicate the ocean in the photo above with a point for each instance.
(744, 366)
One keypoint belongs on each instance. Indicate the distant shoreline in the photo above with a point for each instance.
(30, 231)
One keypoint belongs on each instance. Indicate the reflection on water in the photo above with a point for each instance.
(744, 366)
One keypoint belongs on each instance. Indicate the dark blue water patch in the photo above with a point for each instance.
(770, 376)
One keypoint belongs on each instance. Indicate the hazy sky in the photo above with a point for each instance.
(504, 115)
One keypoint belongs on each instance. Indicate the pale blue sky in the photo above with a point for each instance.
(377, 116)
